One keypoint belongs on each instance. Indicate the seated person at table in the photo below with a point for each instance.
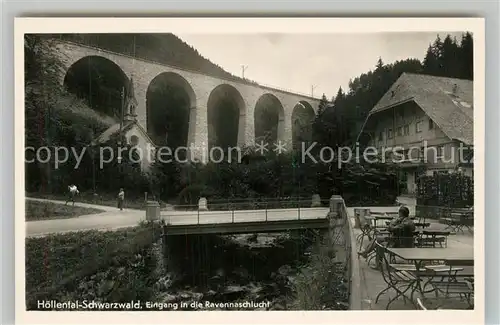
(401, 229)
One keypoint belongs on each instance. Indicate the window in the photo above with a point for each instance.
(404, 154)
(381, 136)
(418, 126)
(401, 155)
(421, 154)
(467, 156)
(431, 124)
(134, 140)
(439, 152)
(400, 131)
(390, 134)
(406, 129)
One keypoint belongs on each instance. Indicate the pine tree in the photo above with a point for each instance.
(449, 59)
(339, 97)
(433, 62)
(323, 103)
(467, 56)
(380, 64)
(437, 47)
(320, 129)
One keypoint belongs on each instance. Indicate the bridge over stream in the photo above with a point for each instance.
(244, 221)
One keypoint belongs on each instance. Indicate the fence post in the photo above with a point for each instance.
(198, 215)
(164, 242)
(266, 210)
(232, 213)
(298, 205)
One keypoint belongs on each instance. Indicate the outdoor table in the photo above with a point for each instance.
(375, 219)
(384, 217)
(434, 232)
(422, 224)
(463, 210)
(384, 214)
(421, 255)
(434, 236)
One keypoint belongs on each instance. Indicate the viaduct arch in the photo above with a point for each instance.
(202, 99)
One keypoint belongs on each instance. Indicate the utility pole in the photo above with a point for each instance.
(243, 68)
(120, 134)
(312, 90)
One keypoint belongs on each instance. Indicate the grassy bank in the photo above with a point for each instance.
(47, 210)
(114, 266)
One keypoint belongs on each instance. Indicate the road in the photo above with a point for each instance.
(110, 219)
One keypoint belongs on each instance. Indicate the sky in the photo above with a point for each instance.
(309, 63)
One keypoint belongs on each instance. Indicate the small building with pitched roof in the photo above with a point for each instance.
(425, 124)
(132, 131)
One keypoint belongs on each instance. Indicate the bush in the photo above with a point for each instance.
(321, 284)
(114, 266)
(275, 177)
(445, 190)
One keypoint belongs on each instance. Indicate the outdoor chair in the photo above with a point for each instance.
(454, 282)
(457, 220)
(366, 230)
(387, 240)
(421, 219)
(420, 304)
(371, 259)
(440, 304)
(398, 277)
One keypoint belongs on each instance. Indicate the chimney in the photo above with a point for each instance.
(455, 89)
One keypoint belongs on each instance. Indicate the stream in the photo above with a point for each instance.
(252, 271)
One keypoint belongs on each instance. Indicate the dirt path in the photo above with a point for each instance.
(111, 219)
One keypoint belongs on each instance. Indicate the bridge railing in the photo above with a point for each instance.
(234, 209)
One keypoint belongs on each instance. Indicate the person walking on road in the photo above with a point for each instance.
(121, 199)
(72, 192)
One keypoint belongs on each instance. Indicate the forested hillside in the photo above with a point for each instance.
(162, 48)
(341, 122)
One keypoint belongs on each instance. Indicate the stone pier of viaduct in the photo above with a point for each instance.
(200, 89)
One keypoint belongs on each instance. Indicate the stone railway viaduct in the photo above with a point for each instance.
(201, 89)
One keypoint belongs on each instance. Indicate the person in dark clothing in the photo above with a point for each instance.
(401, 230)
(121, 199)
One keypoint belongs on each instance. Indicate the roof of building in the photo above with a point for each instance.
(130, 94)
(113, 132)
(449, 102)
